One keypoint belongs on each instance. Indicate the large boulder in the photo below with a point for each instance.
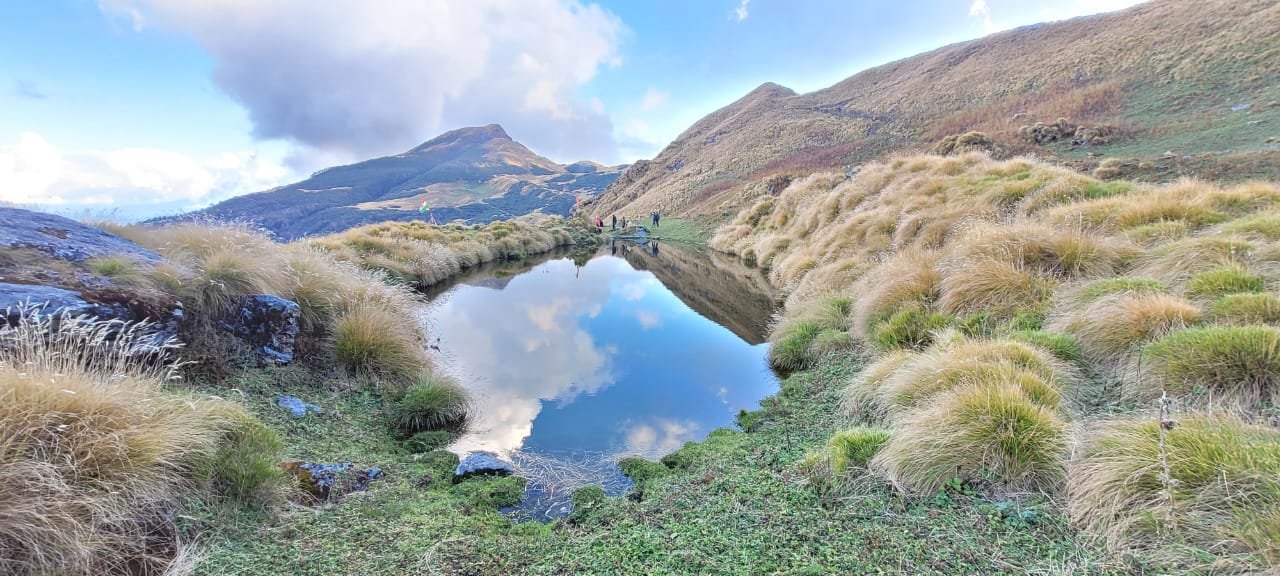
(19, 299)
(482, 464)
(63, 238)
(269, 324)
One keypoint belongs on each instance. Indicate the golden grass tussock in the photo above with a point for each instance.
(367, 339)
(996, 288)
(977, 433)
(1203, 495)
(910, 278)
(95, 455)
(1112, 328)
(861, 399)
(948, 366)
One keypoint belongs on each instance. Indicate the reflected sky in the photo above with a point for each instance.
(571, 368)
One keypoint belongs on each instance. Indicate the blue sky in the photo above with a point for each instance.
(155, 106)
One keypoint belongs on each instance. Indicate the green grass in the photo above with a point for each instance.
(1237, 364)
(911, 329)
(1064, 346)
(429, 404)
(1220, 281)
(688, 231)
(1257, 308)
(732, 504)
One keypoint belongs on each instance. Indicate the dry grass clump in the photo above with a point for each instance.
(369, 339)
(423, 255)
(861, 399)
(1111, 328)
(974, 363)
(1203, 495)
(978, 433)
(996, 288)
(1233, 365)
(95, 455)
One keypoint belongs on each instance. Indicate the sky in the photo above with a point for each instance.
(135, 108)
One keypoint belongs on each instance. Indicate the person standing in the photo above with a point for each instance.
(614, 224)
(654, 216)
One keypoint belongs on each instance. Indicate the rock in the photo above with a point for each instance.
(269, 324)
(64, 239)
(296, 406)
(482, 464)
(331, 481)
(47, 300)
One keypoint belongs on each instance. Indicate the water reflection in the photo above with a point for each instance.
(573, 367)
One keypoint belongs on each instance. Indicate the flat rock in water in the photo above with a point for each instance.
(482, 464)
(63, 238)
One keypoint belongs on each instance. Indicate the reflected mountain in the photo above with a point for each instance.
(716, 285)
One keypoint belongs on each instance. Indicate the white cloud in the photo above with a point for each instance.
(370, 77)
(648, 319)
(654, 99)
(35, 172)
(980, 9)
(741, 11)
(662, 437)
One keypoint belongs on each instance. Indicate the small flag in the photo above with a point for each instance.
(424, 207)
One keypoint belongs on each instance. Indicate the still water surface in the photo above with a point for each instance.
(574, 365)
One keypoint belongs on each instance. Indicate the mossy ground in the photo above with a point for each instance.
(735, 503)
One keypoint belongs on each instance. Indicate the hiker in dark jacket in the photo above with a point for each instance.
(614, 225)
(656, 217)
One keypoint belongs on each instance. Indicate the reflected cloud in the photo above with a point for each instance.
(661, 437)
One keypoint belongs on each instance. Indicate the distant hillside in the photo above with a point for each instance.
(1174, 87)
(473, 174)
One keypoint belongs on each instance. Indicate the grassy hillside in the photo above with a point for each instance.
(1168, 88)
(1113, 345)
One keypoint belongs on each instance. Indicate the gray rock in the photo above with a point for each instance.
(482, 464)
(47, 300)
(63, 238)
(269, 324)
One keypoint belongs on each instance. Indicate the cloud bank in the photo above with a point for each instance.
(373, 77)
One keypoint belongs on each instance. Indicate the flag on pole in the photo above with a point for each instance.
(424, 207)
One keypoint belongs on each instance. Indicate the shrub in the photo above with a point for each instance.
(1064, 346)
(1228, 280)
(978, 433)
(1259, 308)
(910, 328)
(790, 350)
(1238, 364)
(429, 404)
(830, 342)
(96, 456)
(371, 339)
(585, 502)
(1222, 499)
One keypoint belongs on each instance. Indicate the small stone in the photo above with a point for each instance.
(482, 464)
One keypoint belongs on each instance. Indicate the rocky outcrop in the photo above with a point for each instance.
(329, 482)
(19, 299)
(63, 238)
(482, 464)
(269, 324)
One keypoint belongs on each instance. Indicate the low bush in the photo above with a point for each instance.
(1220, 281)
(980, 433)
(641, 470)
(429, 404)
(1257, 308)
(1238, 365)
(830, 342)
(1218, 509)
(246, 465)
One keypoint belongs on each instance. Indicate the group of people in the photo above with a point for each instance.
(655, 217)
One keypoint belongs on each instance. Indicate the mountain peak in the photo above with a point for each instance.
(772, 90)
(470, 135)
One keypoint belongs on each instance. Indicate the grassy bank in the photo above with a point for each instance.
(1036, 331)
(738, 503)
